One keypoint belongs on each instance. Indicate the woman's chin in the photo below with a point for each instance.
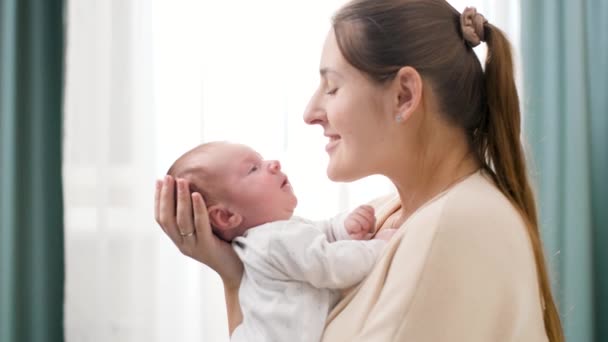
(340, 172)
(333, 177)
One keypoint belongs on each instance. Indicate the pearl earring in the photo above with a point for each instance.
(399, 118)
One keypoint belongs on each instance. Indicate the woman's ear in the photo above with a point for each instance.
(409, 92)
(223, 218)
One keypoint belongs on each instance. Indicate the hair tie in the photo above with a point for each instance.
(472, 25)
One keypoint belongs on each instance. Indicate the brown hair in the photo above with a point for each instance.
(379, 37)
(201, 177)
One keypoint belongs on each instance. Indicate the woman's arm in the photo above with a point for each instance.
(187, 225)
(468, 277)
(233, 307)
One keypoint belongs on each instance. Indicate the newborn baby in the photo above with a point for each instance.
(294, 268)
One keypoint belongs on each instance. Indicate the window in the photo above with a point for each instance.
(147, 80)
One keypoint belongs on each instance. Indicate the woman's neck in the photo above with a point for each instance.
(438, 168)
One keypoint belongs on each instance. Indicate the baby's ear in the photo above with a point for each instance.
(223, 218)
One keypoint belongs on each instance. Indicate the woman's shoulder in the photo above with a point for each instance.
(480, 246)
(474, 223)
(477, 206)
(474, 208)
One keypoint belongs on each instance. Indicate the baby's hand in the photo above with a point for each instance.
(385, 234)
(360, 223)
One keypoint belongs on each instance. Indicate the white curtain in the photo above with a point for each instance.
(147, 80)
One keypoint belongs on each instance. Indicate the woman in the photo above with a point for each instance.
(402, 94)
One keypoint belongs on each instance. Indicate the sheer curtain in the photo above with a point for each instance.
(147, 80)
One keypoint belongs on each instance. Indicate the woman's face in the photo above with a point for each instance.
(355, 114)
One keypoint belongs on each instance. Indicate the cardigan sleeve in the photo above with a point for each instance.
(474, 286)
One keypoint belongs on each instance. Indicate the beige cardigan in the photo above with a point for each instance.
(460, 269)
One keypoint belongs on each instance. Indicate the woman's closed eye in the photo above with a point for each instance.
(332, 91)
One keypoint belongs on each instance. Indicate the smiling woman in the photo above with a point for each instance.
(147, 80)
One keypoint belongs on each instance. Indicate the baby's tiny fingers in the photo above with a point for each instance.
(370, 217)
(362, 222)
(367, 208)
(367, 221)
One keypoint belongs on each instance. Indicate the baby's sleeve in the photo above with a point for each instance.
(304, 253)
(245, 333)
(334, 228)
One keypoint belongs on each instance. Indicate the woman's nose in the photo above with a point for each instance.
(274, 166)
(314, 113)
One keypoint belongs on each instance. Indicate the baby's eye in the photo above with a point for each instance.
(253, 169)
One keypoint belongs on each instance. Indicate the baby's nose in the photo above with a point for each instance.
(274, 166)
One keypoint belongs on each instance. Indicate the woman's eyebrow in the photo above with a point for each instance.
(325, 71)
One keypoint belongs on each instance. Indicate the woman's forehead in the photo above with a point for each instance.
(331, 57)
(334, 65)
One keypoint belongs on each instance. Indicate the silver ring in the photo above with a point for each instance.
(187, 234)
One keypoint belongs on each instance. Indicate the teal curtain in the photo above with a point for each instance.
(31, 208)
(565, 105)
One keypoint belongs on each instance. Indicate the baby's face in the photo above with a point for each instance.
(256, 188)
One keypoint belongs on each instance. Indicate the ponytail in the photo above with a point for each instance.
(501, 152)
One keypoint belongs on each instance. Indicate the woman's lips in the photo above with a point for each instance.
(333, 141)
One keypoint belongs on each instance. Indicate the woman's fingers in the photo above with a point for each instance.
(157, 189)
(208, 245)
(185, 223)
(201, 218)
(187, 214)
(167, 210)
(212, 251)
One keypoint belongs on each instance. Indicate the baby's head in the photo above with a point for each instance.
(241, 190)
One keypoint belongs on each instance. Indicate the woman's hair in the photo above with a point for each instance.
(379, 37)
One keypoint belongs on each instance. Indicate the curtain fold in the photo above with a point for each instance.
(565, 60)
(31, 208)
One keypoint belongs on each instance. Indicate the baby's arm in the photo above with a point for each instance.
(359, 224)
(303, 253)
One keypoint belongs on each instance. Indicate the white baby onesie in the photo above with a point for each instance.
(294, 270)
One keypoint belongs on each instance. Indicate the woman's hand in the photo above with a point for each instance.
(187, 224)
